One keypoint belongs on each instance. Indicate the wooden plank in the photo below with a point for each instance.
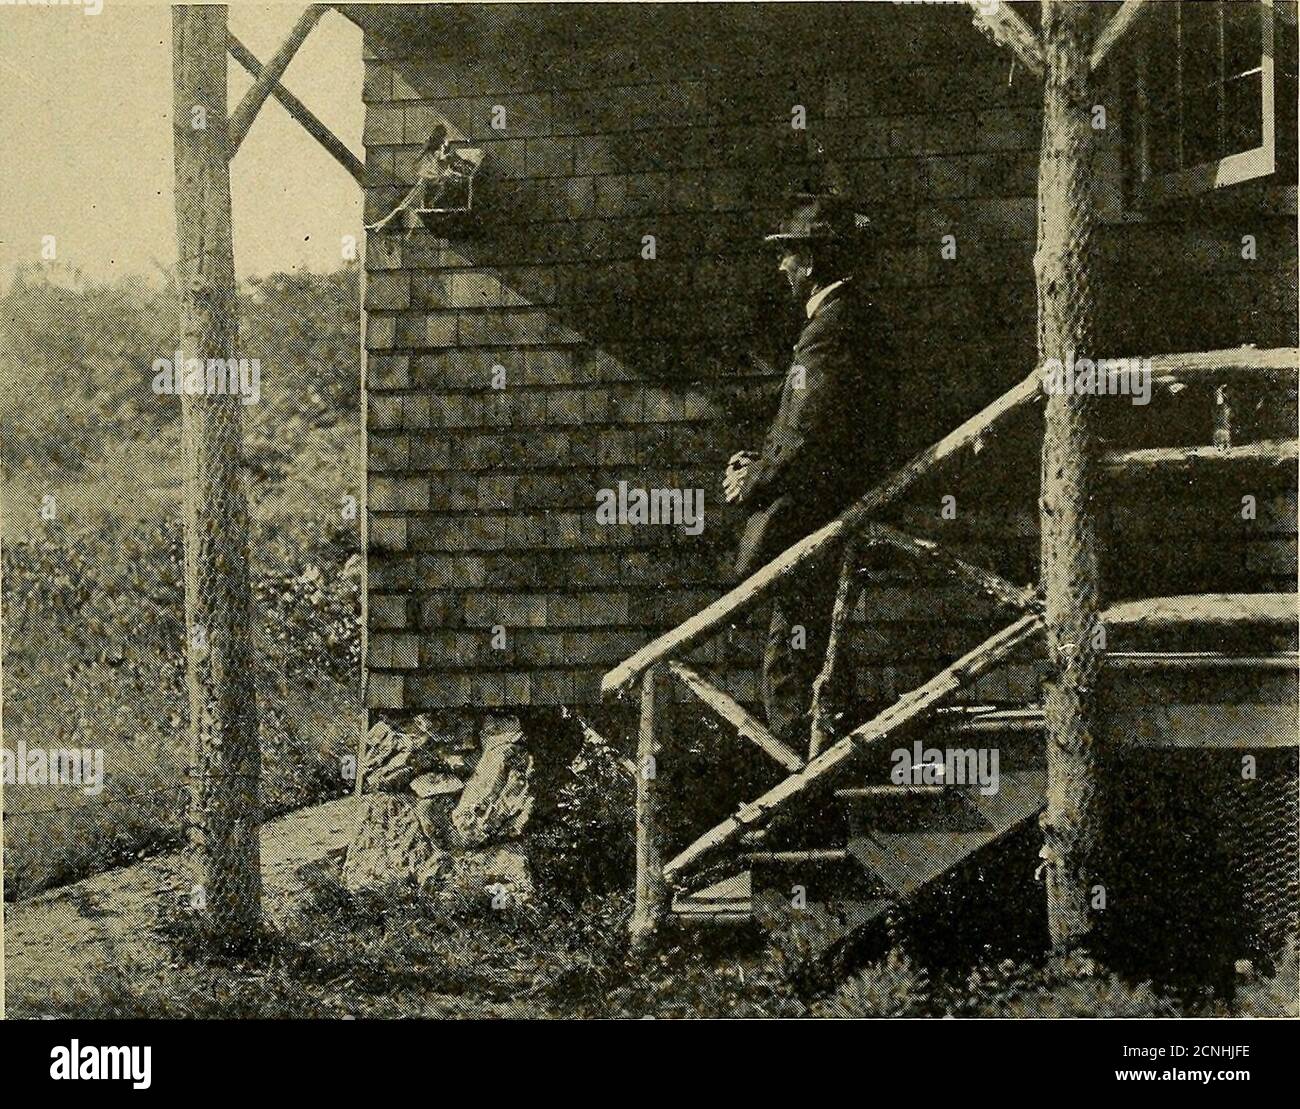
(1212, 726)
(735, 715)
(984, 657)
(1120, 24)
(732, 894)
(1211, 609)
(1186, 459)
(1013, 596)
(1002, 720)
(680, 640)
(242, 117)
(1214, 366)
(1001, 23)
(907, 861)
(813, 855)
(299, 111)
(1200, 660)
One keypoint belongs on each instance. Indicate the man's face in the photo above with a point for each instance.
(797, 266)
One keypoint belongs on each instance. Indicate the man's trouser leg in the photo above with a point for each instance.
(792, 661)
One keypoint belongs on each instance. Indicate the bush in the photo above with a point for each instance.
(585, 842)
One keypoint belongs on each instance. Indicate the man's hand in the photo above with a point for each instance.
(733, 478)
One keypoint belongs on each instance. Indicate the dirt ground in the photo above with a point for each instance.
(58, 941)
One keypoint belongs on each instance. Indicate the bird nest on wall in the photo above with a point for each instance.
(443, 197)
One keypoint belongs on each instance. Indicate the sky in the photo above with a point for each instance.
(86, 140)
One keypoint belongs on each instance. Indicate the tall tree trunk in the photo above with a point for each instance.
(225, 760)
(1067, 215)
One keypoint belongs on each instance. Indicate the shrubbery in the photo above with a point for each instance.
(94, 596)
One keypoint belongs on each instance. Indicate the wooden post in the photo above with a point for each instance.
(225, 760)
(651, 888)
(824, 691)
(1067, 215)
(1223, 417)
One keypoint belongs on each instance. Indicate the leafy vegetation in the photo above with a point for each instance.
(92, 586)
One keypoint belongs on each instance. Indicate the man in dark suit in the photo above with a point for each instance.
(833, 436)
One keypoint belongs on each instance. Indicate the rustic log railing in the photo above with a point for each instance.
(655, 664)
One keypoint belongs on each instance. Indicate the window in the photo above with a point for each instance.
(1212, 78)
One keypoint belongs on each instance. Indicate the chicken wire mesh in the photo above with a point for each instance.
(225, 763)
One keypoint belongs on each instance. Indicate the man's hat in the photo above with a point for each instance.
(820, 217)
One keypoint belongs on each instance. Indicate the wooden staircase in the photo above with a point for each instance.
(895, 838)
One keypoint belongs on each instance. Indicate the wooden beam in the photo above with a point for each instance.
(1205, 609)
(813, 855)
(652, 898)
(1018, 597)
(1265, 453)
(1282, 363)
(335, 146)
(902, 712)
(1005, 27)
(242, 117)
(692, 632)
(735, 715)
(1200, 660)
(1120, 24)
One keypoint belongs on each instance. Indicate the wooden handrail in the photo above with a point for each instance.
(1166, 369)
(906, 709)
(705, 623)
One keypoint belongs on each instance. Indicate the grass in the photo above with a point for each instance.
(392, 953)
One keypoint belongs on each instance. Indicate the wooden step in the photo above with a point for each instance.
(815, 899)
(727, 901)
(1017, 733)
(1232, 625)
(1185, 460)
(903, 807)
(904, 862)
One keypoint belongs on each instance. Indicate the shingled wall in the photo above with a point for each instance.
(482, 501)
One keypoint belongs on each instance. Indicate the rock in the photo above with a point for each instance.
(498, 798)
(393, 759)
(388, 845)
(458, 762)
(436, 785)
(500, 874)
(434, 815)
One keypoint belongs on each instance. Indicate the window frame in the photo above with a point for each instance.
(1232, 169)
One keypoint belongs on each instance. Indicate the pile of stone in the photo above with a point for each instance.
(445, 810)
